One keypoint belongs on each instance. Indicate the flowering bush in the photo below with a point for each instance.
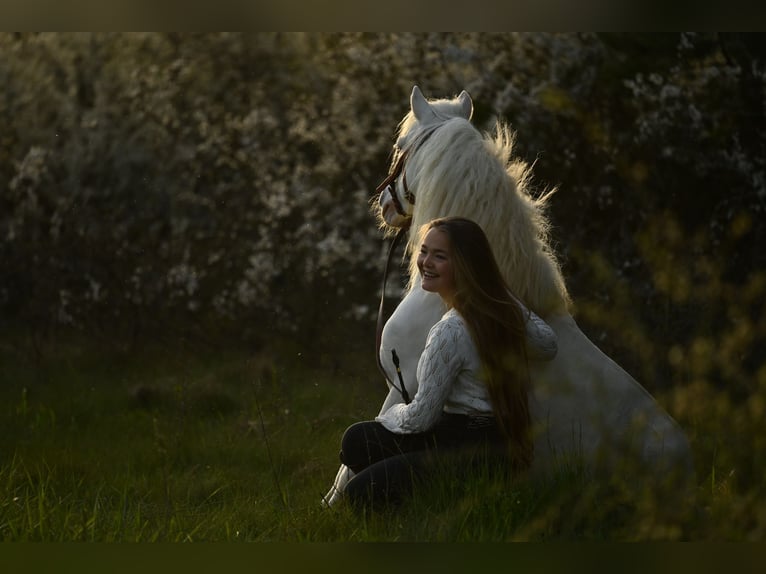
(152, 182)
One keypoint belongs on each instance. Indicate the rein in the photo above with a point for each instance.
(396, 171)
(379, 325)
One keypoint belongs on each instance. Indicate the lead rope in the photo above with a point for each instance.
(379, 326)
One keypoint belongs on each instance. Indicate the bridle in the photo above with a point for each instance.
(396, 171)
(399, 169)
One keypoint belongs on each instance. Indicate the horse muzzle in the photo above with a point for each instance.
(393, 214)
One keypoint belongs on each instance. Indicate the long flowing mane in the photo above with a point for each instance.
(456, 170)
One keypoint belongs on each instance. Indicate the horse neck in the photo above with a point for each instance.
(514, 225)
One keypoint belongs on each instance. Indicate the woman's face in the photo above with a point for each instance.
(435, 265)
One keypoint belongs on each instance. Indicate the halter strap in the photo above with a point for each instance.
(408, 195)
(391, 180)
(399, 169)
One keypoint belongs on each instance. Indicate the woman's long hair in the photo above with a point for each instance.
(497, 324)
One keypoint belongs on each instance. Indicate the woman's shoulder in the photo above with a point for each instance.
(449, 338)
(452, 317)
(451, 324)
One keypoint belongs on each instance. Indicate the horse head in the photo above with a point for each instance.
(396, 198)
(443, 165)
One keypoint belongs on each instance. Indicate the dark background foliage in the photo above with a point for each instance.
(215, 186)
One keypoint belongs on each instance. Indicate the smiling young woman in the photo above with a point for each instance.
(471, 397)
(435, 265)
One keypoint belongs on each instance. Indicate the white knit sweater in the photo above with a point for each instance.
(449, 374)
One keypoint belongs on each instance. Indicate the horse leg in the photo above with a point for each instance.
(338, 487)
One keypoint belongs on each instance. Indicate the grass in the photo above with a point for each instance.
(189, 446)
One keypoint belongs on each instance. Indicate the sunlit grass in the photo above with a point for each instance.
(188, 447)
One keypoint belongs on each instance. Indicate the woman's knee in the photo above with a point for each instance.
(356, 435)
(355, 444)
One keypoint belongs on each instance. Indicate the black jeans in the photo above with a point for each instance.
(387, 464)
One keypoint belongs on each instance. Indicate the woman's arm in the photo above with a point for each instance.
(438, 367)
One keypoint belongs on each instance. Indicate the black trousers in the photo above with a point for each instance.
(388, 465)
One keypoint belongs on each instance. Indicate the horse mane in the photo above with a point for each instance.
(457, 170)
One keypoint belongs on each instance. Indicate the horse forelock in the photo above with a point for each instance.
(459, 171)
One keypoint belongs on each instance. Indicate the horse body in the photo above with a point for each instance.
(406, 332)
(587, 409)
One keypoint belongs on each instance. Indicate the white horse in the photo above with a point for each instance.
(586, 409)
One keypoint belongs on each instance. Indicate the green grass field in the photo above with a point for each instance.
(194, 445)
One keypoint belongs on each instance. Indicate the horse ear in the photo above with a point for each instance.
(466, 105)
(421, 109)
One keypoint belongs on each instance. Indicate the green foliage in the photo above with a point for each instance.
(186, 196)
(218, 184)
(180, 445)
(167, 446)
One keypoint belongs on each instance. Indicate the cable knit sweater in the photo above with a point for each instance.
(449, 374)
